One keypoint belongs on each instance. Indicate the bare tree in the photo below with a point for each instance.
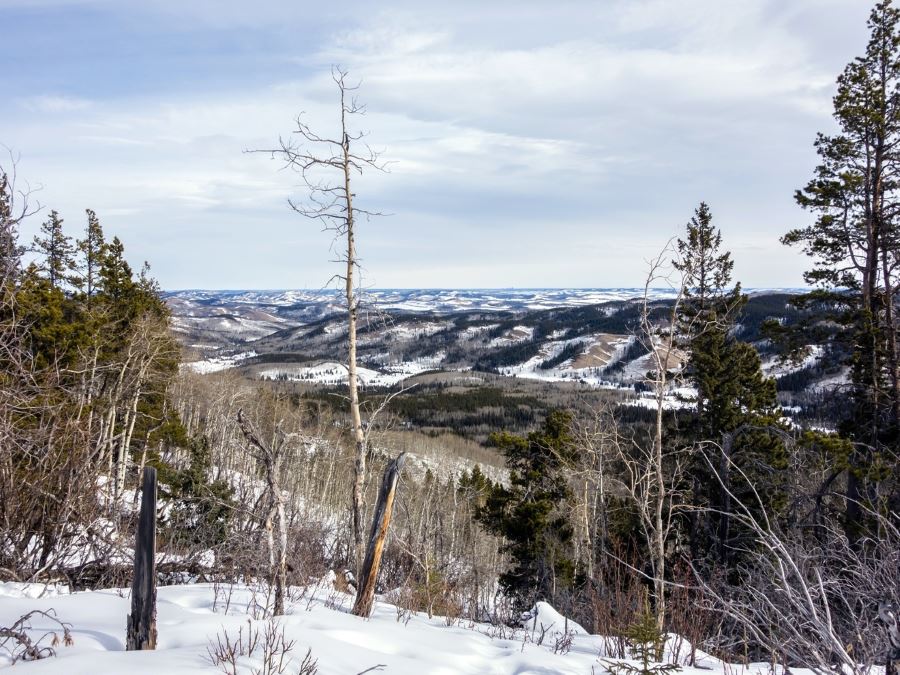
(652, 475)
(811, 601)
(16, 204)
(270, 456)
(326, 166)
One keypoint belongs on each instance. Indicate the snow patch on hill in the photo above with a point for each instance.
(216, 363)
(332, 373)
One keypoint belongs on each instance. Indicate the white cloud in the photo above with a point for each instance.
(571, 138)
(54, 104)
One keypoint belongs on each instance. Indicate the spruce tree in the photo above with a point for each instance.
(735, 401)
(706, 272)
(47, 313)
(57, 251)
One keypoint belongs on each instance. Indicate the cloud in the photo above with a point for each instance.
(54, 104)
(560, 143)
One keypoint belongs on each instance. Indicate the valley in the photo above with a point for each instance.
(531, 350)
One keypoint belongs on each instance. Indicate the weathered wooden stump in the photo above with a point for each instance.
(141, 631)
(365, 594)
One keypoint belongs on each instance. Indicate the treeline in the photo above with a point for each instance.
(86, 363)
(472, 413)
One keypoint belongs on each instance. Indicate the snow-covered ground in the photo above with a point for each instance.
(776, 367)
(333, 373)
(216, 363)
(191, 618)
(596, 352)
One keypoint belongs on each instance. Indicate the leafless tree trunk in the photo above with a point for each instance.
(653, 483)
(270, 456)
(331, 201)
(380, 523)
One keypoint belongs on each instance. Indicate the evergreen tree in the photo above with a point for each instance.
(92, 250)
(115, 275)
(204, 506)
(10, 251)
(46, 311)
(528, 514)
(735, 402)
(57, 250)
(646, 644)
(854, 245)
(706, 272)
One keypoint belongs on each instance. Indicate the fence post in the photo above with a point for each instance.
(141, 632)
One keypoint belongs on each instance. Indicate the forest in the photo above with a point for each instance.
(749, 534)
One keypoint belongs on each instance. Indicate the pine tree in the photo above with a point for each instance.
(115, 275)
(646, 643)
(46, 311)
(854, 245)
(57, 250)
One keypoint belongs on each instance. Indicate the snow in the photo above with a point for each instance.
(216, 363)
(333, 373)
(775, 367)
(190, 616)
(544, 618)
(440, 301)
(566, 371)
(514, 335)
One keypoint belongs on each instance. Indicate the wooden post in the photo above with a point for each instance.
(141, 631)
(365, 596)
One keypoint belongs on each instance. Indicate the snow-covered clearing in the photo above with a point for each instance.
(596, 353)
(776, 367)
(216, 363)
(333, 373)
(191, 616)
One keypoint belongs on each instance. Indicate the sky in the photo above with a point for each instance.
(530, 143)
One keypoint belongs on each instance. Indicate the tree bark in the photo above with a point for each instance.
(380, 522)
(141, 631)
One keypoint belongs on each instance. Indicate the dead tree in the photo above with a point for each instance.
(326, 166)
(270, 457)
(141, 633)
(16, 205)
(381, 520)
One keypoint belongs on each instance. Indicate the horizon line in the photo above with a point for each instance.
(473, 288)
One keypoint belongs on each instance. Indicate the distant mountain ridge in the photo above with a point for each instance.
(430, 300)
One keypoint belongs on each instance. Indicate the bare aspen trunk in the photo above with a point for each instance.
(281, 578)
(270, 456)
(891, 330)
(586, 530)
(659, 543)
